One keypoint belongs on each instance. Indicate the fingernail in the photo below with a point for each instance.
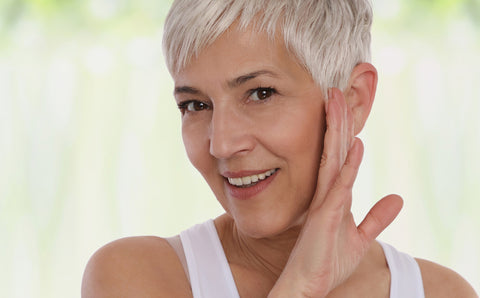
(330, 93)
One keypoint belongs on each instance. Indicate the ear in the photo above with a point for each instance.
(360, 93)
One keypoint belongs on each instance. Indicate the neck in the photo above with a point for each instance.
(266, 256)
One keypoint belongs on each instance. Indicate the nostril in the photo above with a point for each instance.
(227, 143)
(230, 133)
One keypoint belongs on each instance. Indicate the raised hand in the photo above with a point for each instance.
(331, 245)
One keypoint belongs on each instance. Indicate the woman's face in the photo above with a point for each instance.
(253, 123)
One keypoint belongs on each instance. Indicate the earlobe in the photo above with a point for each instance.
(360, 93)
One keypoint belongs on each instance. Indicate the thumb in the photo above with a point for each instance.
(380, 216)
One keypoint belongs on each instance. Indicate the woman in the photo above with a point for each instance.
(272, 95)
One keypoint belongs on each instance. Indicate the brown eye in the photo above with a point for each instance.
(195, 106)
(190, 106)
(261, 94)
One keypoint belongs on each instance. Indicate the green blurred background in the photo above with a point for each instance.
(90, 145)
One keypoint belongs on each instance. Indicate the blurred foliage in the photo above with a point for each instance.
(441, 10)
(86, 112)
(11, 10)
(67, 15)
(55, 8)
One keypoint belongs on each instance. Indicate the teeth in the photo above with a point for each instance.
(246, 180)
(250, 179)
(236, 181)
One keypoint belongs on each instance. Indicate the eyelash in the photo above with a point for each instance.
(271, 91)
(183, 106)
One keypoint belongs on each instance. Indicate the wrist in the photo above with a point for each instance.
(294, 287)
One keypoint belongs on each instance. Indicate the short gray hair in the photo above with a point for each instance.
(328, 37)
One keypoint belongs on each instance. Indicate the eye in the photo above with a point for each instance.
(192, 106)
(260, 94)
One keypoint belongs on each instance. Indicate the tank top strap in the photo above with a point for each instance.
(406, 278)
(210, 274)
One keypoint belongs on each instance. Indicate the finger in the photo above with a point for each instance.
(340, 195)
(347, 125)
(350, 127)
(331, 158)
(380, 216)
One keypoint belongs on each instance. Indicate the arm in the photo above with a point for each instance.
(135, 267)
(439, 281)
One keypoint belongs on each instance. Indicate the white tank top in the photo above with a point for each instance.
(211, 277)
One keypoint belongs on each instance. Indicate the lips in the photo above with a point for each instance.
(250, 180)
(246, 185)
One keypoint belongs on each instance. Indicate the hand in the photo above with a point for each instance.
(331, 246)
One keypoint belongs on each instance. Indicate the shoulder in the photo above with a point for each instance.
(135, 267)
(439, 281)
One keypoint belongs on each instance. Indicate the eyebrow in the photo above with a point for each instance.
(231, 83)
(249, 76)
(186, 89)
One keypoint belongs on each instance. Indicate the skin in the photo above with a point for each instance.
(296, 237)
(237, 134)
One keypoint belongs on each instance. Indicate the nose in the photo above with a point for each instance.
(231, 133)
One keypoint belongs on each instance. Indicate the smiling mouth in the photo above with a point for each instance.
(248, 181)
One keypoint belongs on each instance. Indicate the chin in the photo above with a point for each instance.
(267, 226)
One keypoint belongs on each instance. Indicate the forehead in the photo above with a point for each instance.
(240, 51)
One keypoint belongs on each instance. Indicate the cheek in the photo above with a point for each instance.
(300, 133)
(307, 144)
(196, 146)
(195, 140)
(300, 138)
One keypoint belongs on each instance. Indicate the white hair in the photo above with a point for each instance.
(328, 37)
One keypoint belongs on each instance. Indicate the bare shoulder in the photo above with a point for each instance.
(135, 267)
(439, 281)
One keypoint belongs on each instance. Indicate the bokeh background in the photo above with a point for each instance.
(90, 146)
